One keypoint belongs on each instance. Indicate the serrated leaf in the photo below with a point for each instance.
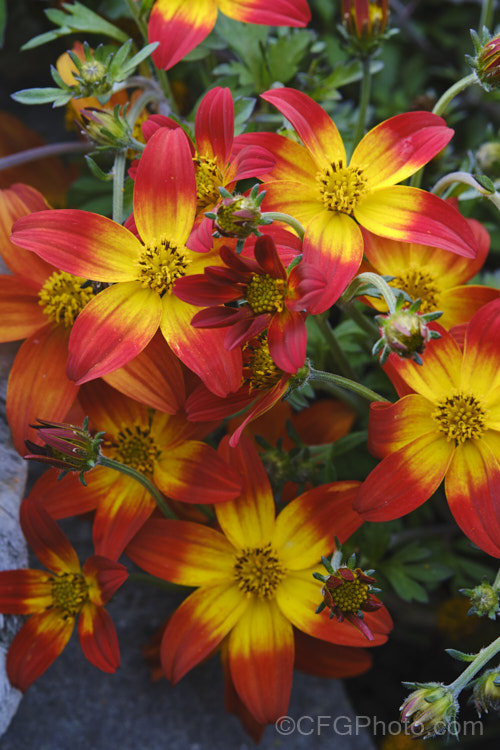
(284, 55)
(37, 96)
(403, 585)
(431, 572)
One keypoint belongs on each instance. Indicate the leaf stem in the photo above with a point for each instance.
(337, 380)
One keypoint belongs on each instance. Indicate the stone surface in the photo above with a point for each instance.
(13, 552)
(75, 706)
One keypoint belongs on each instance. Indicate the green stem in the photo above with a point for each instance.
(110, 463)
(483, 657)
(355, 288)
(42, 152)
(441, 106)
(144, 99)
(364, 100)
(486, 18)
(340, 359)
(361, 320)
(337, 380)
(285, 219)
(118, 180)
(167, 90)
(134, 9)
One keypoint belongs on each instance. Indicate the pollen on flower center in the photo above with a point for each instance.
(260, 371)
(419, 284)
(63, 298)
(69, 593)
(161, 263)
(258, 571)
(340, 187)
(265, 294)
(461, 417)
(208, 181)
(136, 447)
(350, 595)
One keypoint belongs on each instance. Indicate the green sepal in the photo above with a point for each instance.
(485, 183)
(460, 655)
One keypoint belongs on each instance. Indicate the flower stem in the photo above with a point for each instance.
(118, 180)
(110, 463)
(337, 380)
(42, 152)
(167, 90)
(364, 99)
(343, 364)
(286, 219)
(483, 657)
(486, 18)
(373, 279)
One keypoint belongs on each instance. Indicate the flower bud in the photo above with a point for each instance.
(486, 693)
(238, 216)
(432, 708)
(107, 130)
(486, 63)
(484, 599)
(364, 24)
(67, 447)
(405, 332)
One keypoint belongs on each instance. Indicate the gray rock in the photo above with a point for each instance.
(13, 554)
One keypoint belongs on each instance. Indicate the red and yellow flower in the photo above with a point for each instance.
(166, 449)
(180, 25)
(445, 426)
(38, 303)
(121, 320)
(254, 582)
(55, 599)
(332, 198)
(430, 274)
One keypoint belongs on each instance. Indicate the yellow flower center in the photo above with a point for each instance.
(340, 187)
(136, 447)
(63, 298)
(350, 595)
(258, 571)
(261, 371)
(208, 181)
(461, 417)
(161, 263)
(419, 284)
(265, 294)
(69, 593)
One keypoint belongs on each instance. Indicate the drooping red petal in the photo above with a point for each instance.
(48, 542)
(261, 655)
(262, 404)
(98, 638)
(198, 626)
(193, 472)
(37, 645)
(38, 386)
(329, 660)
(165, 188)
(112, 329)
(179, 26)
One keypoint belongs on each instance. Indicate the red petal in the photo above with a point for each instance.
(214, 125)
(179, 27)
(98, 638)
(283, 12)
(287, 339)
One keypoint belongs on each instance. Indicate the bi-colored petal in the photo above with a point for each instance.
(247, 521)
(81, 243)
(48, 542)
(281, 13)
(298, 597)
(462, 302)
(295, 198)
(104, 577)
(165, 188)
(98, 638)
(261, 405)
(316, 129)
(193, 473)
(179, 26)
(202, 350)
(37, 645)
(333, 246)
(66, 497)
(19, 200)
(154, 377)
(112, 329)
(440, 374)
(261, 656)
(472, 487)
(399, 146)
(214, 126)
(110, 411)
(20, 313)
(405, 479)
(198, 626)
(481, 363)
(411, 215)
(306, 528)
(393, 426)
(38, 387)
(23, 592)
(183, 552)
(293, 162)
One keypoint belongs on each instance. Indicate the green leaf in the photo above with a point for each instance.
(459, 655)
(284, 55)
(134, 61)
(96, 170)
(40, 96)
(243, 108)
(76, 17)
(403, 585)
(411, 553)
(48, 36)
(431, 572)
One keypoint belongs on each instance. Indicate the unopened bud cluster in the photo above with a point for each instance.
(405, 332)
(432, 709)
(238, 216)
